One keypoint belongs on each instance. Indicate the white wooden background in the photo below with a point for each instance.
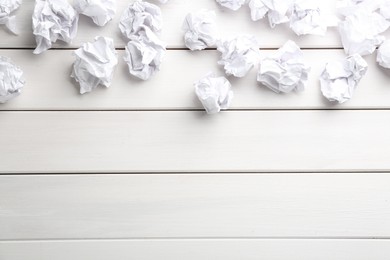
(139, 171)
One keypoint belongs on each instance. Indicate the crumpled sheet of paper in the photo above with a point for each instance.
(306, 18)
(341, 77)
(139, 15)
(214, 93)
(200, 30)
(276, 10)
(231, 4)
(11, 81)
(383, 55)
(144, 54)
(95, 64)
(239, 54)
(360, 32)
(53, 20)
(284, 71)
(7, 7)
(101, 11)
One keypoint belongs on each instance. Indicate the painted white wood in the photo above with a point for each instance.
(195, 206)
(216, 249)
(229, 23)
(194, 141)
(49, 86)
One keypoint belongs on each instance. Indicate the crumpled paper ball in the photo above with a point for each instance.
(95, 64)
(11, 80)
(214, 93)
(53, 20)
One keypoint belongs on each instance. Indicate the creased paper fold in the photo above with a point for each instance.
(383, 55)
(100, 11)
(232, 4)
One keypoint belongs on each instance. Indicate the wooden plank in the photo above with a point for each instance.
(216, 249)
(172, 87)
(194, 142)
(229, 23)
(195, 206)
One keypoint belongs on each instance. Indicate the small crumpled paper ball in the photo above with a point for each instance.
(95, 64)
(11, 81)
(284, 71)
(53, 20)
(341, 77)
(200, 30)
(7, 7)
(239, 54)
(143, 55)
(139, 15)
(214, 92)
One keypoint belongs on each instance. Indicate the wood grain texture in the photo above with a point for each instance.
(191, 249)
(49, 86)
(229, 23)
(194, 142)
(195, 206)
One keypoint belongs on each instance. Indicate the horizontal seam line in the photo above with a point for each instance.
(208, 238)
(199, 173)
(195, 110)
(168, 49)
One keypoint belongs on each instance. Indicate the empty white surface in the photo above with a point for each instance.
(195, 206)
(195, 249)
(188, 141)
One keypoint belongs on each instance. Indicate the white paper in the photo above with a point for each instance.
(7, 7)
(101, 11)
(53, 20)
(306, 18)
(11, 81)
(95, 64)
(276, 10)
(341, 77)
(360, 32)
(385, 10)
(231, 4)
(284, 71)
(239, 55)
(139, 15)
(200, 30)
(383, 55)
(144, 54)
(214, 93)
(258, 9)
(349, 7)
